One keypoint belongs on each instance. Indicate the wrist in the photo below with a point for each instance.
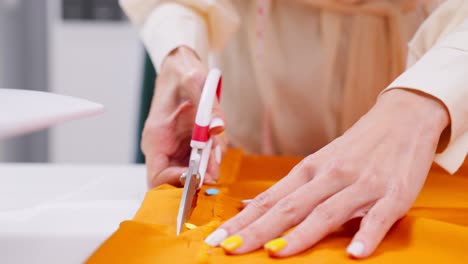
(422, 110)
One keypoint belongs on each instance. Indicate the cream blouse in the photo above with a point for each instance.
(297, 74)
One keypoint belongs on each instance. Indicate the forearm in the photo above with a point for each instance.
(164, 26)
(438, 63)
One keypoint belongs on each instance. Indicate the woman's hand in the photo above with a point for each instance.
(375, 171)
(168, 129)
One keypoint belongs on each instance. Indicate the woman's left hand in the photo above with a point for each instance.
(375, 171)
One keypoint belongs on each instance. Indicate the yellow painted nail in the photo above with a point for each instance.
(232, 243)
(275, 245)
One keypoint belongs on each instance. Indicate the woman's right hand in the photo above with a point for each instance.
(168, 128)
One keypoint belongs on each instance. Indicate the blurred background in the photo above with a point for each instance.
(83, 48)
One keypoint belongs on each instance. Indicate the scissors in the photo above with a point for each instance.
(200, 143)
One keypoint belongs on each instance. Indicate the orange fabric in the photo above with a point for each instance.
(434, 231)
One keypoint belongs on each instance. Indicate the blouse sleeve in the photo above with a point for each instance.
(202, 25)
(438, 66)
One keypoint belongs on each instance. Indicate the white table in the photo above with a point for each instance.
(61, 213)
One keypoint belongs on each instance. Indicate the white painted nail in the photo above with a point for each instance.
(218, 154)
(216, 122)
(215, 238)
(355, 249)
(246, 202)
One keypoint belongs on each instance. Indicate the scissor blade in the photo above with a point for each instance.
(187, 200)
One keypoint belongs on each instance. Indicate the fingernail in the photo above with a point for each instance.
(275, 245)
(218, 154)
(355, 249)
(216, 237)
(216, 123)
(182, 178)
(246, 202)
(232, 243)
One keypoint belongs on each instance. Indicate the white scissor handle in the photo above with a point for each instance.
(201, 131)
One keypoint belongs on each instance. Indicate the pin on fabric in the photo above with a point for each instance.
(211, 191)
(190, 226)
